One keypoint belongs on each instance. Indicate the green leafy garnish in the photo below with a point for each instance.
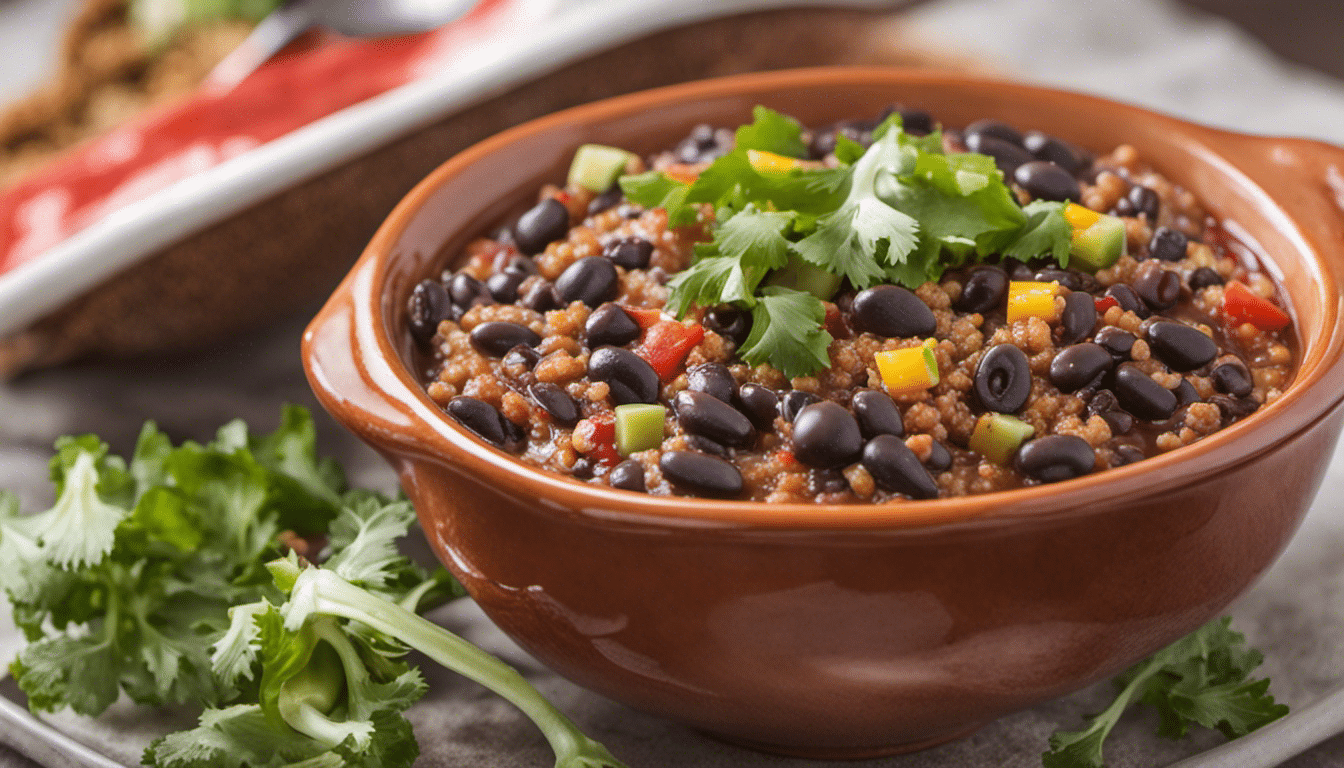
(786, 331)
(327, 662)
(1200, 679)
(900, 211)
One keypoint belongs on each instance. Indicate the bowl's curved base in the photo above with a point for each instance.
(844, 753)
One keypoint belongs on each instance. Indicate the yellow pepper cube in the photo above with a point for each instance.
(1080, 218)
(1031, 299)
(908, 370)
(769, 162)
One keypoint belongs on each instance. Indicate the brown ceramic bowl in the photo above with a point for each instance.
(847, 631)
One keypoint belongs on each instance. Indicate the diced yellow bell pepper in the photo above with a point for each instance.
(1031, 299)
(1080, 218)
(769, 162)
(908, 370)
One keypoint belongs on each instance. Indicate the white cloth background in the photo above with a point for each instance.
(1143, 51)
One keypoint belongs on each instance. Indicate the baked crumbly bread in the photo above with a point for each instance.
(283, 254)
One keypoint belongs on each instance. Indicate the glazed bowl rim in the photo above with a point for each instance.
(448, 443)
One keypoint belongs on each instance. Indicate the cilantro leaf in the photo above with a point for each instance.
(1045, 232)
(771, 131)
(745, 248)
(655, 189)
(787, 332)
(1197, 680)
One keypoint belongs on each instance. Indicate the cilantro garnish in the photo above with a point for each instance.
(1200, 679)
(900, 211)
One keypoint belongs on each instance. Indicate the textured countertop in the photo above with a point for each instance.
(1147, 52)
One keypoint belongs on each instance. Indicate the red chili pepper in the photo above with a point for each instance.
(1240, 305)
(1104, 303)
(644, 318)
(666, 344)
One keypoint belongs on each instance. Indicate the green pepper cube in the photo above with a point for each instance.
(596, 166)
(1100, 245)
(639, 427)
(997, 436)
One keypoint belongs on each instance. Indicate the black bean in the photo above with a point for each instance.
(824, 141)
(1117, 342)
(1127, 299)
(1007, 156)
(877, 414)
(983, 291)
(482, 418)
(540, 296)
(606, 201)
(915, 122)
(713, 379)
(1159, 288)
(702, 414)
(892, 311)
(628, 476)
(705, 445)
(1017, 270)
(522, 356)
(793, 402)
(1203, 278)
(630, 252)
(729, 322)
(582, 469)
(503, 286)
(1077, 366)
(1079, 318)
(1167, 244)
(508, 261)
(1141, 396)
(467, 292)
(1046, 181)
(1232, 378)
(1061, 153)
(996, 128)
(1234, 407)
(609, 324)
(895, 468)
(496, 338)
(1144, 201)
(826, 435)
(1185, 393)
(1069, 278)
(821, 481)
(631, 378)
(940, 459)
(701, 474)
(542, 224)
(1180, 346)
(760, 404)
(429, 306)
(704, 143)
(1128, 454)
(1003, 379)
(556, 402)
(1055, 457)
(591, 280)
(1105, 405)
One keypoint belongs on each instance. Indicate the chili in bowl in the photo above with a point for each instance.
(814, 624)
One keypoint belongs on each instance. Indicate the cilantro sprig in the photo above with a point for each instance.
(1200, 679)
(901, 211)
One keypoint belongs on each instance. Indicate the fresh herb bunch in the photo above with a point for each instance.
(332, 685)
(1200, 679)
(124, 584)
(785, 235)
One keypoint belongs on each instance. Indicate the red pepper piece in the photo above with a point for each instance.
(666, 344)
(1104, 303)
(1240, 305)
(644, 318)
(600, 432)
(835, 322)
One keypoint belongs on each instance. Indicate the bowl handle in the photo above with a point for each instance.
(355, 374)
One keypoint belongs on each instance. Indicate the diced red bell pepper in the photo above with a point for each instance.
(1104, 303)
(785, 457)
(600, 430)
(1240, 305)
(644, 318)
(835, 322)
(666, 344)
